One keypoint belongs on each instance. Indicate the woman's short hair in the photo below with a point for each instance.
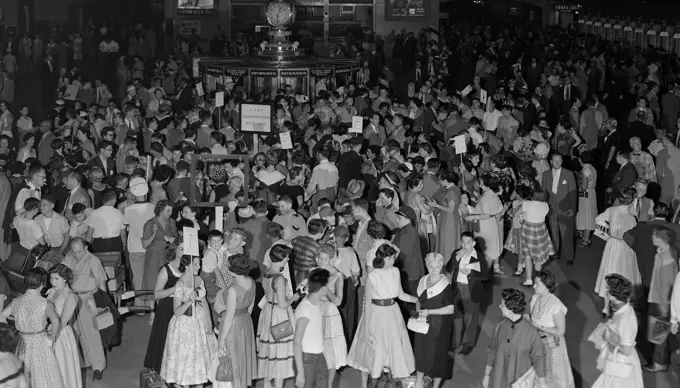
(384, 251)
(9, 338)
(626, 196)
(548, 279)
(239, 264)
(377, 230)
(279, 252)
(664, 234)
(619, 287)
(327, 249)
(275, 230)
(64, 272)
(413, 181)
(184, 262)
(514, 300)
(35, 278)
(449, 176)
(160, 206)
(434, 258)
(524, 192)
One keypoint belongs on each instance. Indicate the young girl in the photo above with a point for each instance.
(465, 209)
(191, 344)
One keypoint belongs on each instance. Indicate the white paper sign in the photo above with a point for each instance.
(459, 144)
(199, 89)
(194, 66)
(466, 91)
(482, 95)
(219, 99)
(71, 92)
(357, 124)
(190, 241)
(219, 218)
(286, 141)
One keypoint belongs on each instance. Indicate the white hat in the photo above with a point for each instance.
(139, 187)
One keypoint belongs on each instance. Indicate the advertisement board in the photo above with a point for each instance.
(407, 10)
(195, 7)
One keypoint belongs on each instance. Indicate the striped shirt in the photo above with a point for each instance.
(304, 253)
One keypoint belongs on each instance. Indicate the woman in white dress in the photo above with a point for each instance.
(334, 342)
(191, 344)
(615, 339)
(618, 257)
(66, 347)
(488, 213)
(548, 315)
(381, 339)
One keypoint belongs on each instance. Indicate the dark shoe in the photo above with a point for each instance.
(555, 257)
(654, 368)
(97, 375)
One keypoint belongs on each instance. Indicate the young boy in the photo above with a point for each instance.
(210, 271)
(308, 340)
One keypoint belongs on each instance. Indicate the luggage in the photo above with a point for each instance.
(150, 379)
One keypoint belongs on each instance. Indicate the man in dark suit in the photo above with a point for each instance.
(77, 194)
(417, 75)
(184, 99)
(624, 177)
(410, 50)
(349, 163)
(533, 74)
(560, 186)
(639, 128)
(565, 94)
(464, 267)
(105, 161)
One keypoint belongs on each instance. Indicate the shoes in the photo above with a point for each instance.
(519, 272)
(97, 375)
(555, 257)
(654, 368)
(527, 284)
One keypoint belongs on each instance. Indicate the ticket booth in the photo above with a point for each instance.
(652, 39)
(618, 32)
(664, 41)
(639, 38)
(581, 27)
(608, 32)
(597, 29)
(676, 44)
(589, 27)
(628, 34)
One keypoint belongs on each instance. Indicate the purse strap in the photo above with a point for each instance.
(271, 324)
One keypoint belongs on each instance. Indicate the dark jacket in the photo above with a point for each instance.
(110, 335)
(639, 239)
(474, 277)
(625, 177)
(349, 167)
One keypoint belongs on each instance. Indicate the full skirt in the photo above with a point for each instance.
(558, 368)
(68, 358)
(189, 350)
(241, 351)
(40, 363)
(382, 341)
(618, 258)
(334, 343)
(159, 331)
(535, 242)
(274, 358)
(607, 381)
(587, 211)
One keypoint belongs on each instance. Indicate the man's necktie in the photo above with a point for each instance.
(417, 74)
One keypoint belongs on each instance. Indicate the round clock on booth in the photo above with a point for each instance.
(280, 13)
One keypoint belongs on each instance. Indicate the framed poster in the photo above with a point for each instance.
(256, 117)
(190, 27)
(195, 7)
(407, 10)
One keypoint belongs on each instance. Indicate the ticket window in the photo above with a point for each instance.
(628, 35)
(608, 32)
(263, 85)
(676, 44)
(589, 27)
(597, 29)
(297, 83)
(581, 26)
(664, 41)
(639, 38)
(618, 33)
(652, 39)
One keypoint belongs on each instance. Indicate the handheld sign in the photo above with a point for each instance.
(219, 99)
(286, 141)
(190, 241)
(482, 95)
(199, 89)
(466, 91)
(71, 92)
(357, 124)
(459, 144)
(219, 218)
(194, 67)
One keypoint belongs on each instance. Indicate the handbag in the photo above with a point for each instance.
(528, 380)
(618, 369)
(418, 325)
(602, 231)
(103, 319)
(283, 329)
(657, 330)
(386, 380)
(224, 370)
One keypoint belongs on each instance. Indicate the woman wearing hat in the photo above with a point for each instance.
(355, 189)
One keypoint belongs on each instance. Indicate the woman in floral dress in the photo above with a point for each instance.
(31, 312)
(334, 342)
(237, 366)
(587, 199)
(643, 161)
(66, 348)
(191, 344)
(275, 358)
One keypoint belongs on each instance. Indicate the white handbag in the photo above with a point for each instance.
(418, 325)
(618, 369)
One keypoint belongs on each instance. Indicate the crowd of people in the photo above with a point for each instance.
(367, 251)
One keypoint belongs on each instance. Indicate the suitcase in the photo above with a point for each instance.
(150, 379)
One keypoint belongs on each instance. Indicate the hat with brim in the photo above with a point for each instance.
(406, 211)
(355, 188)
(139, 187)
(59, 103)
(246, 212)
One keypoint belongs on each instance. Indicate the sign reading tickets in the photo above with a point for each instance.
(407, 10)
(195, 7)
(256, 118)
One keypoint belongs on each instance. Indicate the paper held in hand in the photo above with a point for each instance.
(190, 241)
(459, 144)
(219, 99)
(219, 218)
(286, 141)
(483, 96)
(199, 89)
(466, 91)
(357, 125)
